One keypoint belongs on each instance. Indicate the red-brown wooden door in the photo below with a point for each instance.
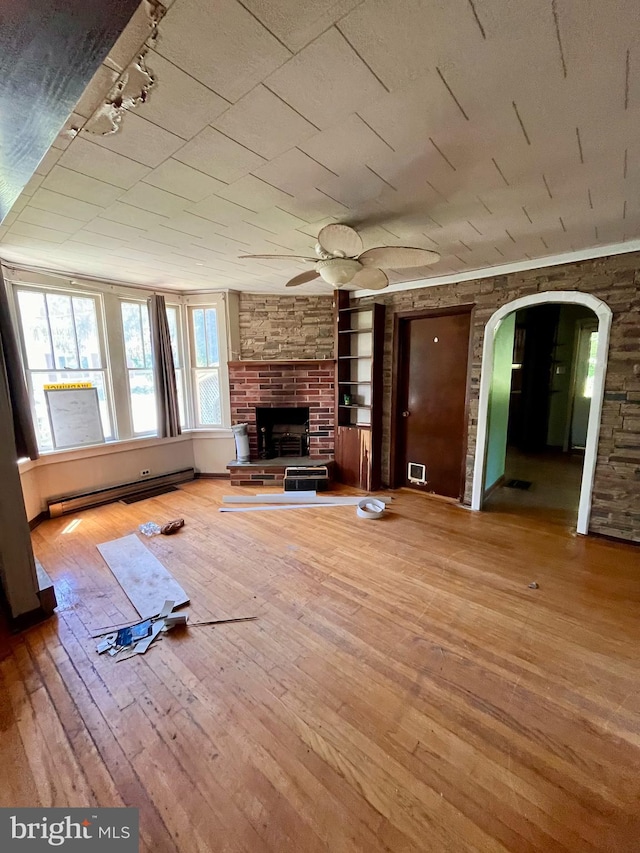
(431, 426)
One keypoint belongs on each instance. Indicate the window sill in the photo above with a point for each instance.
(52, 457)
(210, 432)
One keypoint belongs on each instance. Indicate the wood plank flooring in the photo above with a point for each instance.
(402, 689)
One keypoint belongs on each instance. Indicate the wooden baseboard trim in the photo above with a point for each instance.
(202, 476)
(430, 495)
(35, 522)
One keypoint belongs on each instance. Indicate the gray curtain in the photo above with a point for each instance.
(163, 370)
(25, 436)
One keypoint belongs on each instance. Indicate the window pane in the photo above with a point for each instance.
(62, 330)
(35, 329)
(211, 321)
(208, 397)
(172, 321)
(86, 322)
(143, 401)
(133, 346)
(39, 380)
(181, 404)
(199, 338)
(146, 335)
(591, 365)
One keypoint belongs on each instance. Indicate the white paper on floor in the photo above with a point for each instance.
(141, 575)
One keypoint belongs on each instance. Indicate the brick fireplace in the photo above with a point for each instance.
(286, 384)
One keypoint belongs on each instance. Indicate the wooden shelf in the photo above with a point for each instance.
(358, 445)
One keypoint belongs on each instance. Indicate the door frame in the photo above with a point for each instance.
(604, 316)
(400, 320)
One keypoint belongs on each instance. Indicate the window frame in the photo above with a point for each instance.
(108, 297)
(105, 370)
(219, 303)
(141, 303)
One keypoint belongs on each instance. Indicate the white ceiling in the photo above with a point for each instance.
(491, 131)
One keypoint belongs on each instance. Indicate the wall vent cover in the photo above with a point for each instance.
(417, 473)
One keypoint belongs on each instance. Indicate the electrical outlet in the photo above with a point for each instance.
(145, 472)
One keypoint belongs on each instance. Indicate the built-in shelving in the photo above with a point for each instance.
(359, 346)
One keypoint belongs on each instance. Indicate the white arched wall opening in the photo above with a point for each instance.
(567, 297)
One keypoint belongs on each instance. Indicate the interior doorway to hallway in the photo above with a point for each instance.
(541, 393)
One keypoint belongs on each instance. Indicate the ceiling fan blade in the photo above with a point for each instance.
(340, 240)
(277, 257)
(303, 278)
(398, 257)
(370, 278)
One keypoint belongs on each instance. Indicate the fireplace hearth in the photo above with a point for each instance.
(282, 431)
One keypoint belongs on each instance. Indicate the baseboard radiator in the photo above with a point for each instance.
(74, 502)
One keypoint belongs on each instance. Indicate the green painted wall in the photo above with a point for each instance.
(499, 401)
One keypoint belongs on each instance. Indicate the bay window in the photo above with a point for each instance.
(101, 335)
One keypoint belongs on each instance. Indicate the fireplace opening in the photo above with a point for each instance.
(282, 431)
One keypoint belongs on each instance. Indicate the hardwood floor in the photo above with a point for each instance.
(402, 690)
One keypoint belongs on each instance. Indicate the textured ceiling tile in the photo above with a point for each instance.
(46, 219)
(404, 40)
(96, 92)
(125, 214)
(338, 147)
(24, 229)
(408, 117)
(230, 55)
(154, 200)
(326, 81)
(297, 22)
(355, 187)
(69, 131)
(137, 31)
(313, 206)
(114, 229)
(32, 185)
(178, 178)
(216, 155)
(264, 123)
(197, 226)
(292, 171)
(276, 220)
(219, 210)
(140, 140)
(82, 187)
(177, 102)
(48, 161)
(97, 162)
(254, 194)
(56, 203)
(98, 240)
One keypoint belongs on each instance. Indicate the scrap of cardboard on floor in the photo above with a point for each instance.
(136, 639)
(130, 640)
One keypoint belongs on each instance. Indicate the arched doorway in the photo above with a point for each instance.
(603, 315)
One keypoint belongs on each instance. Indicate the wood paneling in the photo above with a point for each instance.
(402, 690)
(353, 454)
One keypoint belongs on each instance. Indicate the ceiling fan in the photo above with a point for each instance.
(340, 260)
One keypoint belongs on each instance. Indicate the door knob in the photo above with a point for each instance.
(406, 414)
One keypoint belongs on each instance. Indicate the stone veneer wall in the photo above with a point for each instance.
(293, 383)
(292, 327)
(616, 281)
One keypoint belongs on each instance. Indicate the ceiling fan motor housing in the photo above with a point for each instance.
(338, 271)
